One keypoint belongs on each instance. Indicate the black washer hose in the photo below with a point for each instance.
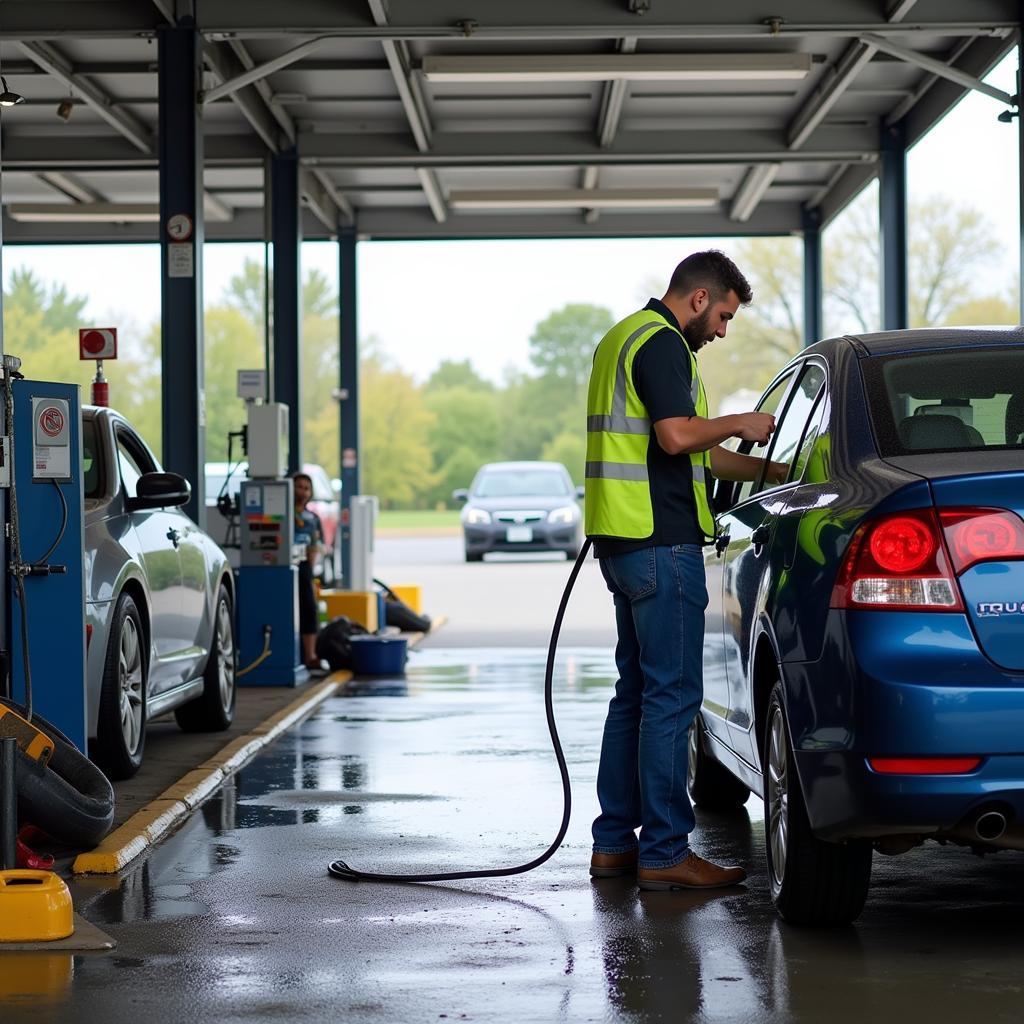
(339, 869)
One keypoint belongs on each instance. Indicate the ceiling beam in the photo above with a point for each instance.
(939, 68)
(70, 186)
(414, 103)
(844, 143)
(850, 143)
(29, 19)
(51, 60)
(837, 79)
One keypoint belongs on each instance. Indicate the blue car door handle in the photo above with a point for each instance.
(759, 538)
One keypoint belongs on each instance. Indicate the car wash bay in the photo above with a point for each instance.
(350, 123)
(234, 917)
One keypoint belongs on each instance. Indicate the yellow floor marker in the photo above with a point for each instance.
(35, 906)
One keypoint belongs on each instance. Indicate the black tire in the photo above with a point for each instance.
(70, 799)
(812, 882)
(121, 729)
(474, 556)
(712, 786)
(214, 709)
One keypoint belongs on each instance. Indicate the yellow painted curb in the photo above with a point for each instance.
(156, 819)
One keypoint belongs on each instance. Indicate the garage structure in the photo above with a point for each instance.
(417, 119)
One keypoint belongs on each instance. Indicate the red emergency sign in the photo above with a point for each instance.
(97, 343)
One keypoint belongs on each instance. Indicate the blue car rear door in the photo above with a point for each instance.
(760, 533)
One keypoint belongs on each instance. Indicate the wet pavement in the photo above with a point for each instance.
(235, 918)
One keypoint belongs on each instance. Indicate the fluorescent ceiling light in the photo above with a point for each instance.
(582, 198)
(751, 192)
(109, 213)
(633, 67)
(66, 213)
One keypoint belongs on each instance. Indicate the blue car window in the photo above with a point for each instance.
(958, 399)
(790, 428)
(815, 440)
(770, 404)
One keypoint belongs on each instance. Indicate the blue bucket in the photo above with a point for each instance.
(378, 655)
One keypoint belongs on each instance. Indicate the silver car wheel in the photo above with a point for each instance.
(778, 796)
(225, 654)
(130, 684)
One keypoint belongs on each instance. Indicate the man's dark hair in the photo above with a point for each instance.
(712, 270)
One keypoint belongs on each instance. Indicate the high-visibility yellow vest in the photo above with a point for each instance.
(618, 491)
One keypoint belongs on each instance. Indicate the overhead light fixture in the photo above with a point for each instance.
(8, 98)
(584, 198)
(280, 99)
(65, 109)
(67, 213)
(752, 190)
(633, 67)
(214, 209)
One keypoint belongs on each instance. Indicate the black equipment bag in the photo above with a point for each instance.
(333, 642)
(398, 613)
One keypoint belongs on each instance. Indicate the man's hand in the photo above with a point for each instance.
(754, 426)
(776, 472)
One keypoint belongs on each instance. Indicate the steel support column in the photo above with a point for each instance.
(349, 393)
(892, 210)
(813, 321)
(286, 240)
(181, 259)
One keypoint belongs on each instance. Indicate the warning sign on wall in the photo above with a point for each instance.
(97, 343)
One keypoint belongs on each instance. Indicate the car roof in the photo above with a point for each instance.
(888, 342)
(539, 464)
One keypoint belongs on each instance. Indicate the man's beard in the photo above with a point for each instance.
(697, 331)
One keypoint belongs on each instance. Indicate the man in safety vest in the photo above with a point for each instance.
(651, 452)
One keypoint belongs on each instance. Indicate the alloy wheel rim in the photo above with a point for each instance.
(225, 655)
(130, 685)
(778, 796)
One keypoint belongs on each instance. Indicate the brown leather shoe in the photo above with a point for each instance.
(611, 865)
(692, 872)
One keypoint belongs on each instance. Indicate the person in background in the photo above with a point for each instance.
(308, 532)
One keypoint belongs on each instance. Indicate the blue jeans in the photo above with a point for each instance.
(660, 595)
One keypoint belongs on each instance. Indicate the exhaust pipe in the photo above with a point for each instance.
(990, 825)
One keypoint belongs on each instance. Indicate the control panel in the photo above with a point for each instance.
(267, 517)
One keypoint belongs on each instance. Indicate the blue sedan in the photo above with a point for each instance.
(864, 650)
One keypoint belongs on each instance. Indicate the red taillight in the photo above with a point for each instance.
(88, 636)
(897, 562)
(923, 765)
(902, 544)
(982, 535)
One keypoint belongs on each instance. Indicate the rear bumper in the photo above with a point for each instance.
(908, 684)
(544, 537)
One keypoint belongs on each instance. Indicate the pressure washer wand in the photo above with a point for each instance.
(339, 869)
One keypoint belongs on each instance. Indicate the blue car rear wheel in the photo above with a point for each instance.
(812, 882)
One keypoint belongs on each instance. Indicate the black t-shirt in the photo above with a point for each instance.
(662, 378)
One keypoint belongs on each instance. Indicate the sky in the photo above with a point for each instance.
(428, 301)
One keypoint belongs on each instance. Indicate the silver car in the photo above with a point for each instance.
(159, 600)
(521, 506)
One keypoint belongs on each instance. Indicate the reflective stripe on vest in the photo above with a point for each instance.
(618, 499)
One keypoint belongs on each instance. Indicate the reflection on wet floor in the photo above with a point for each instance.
(234, 917)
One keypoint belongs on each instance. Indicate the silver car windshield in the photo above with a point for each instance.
(508, 483)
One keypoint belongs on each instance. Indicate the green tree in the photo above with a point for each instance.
(465, 431)
(562, 345)
(456, 373)
(397, 462)
(58, 310)
(569, 448)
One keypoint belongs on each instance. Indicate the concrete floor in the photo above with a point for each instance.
(235, 918)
